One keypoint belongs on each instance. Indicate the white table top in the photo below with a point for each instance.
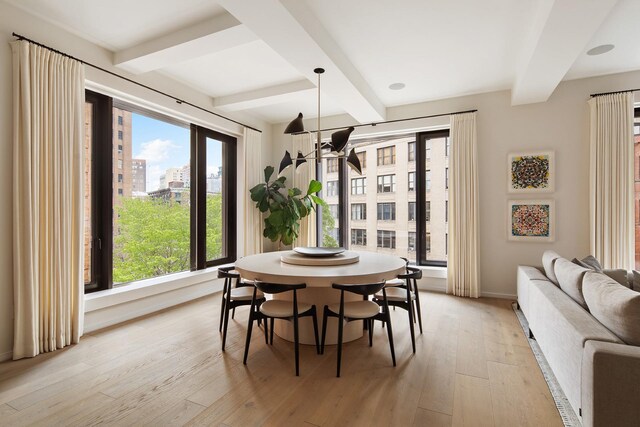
(372, 267)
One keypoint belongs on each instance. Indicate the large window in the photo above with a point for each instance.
(636, 174)
(386, 239)
(412, 181)
(332, 188)
(412, 211)
(160, 195)
(386, 184)
(358, 237)
(332, 165)
(387, 156)
(362, 156)
(386, 211)
(411, 151)
(358, 211)
(358, 186)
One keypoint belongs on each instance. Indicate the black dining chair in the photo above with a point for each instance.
(404, 295)
(365, 310)
(280, 309)
(235, 293)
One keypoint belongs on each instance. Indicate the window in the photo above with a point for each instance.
(427, 180)
(386, 239)
(120, 121)
(362, 156)
(358, 211)
(144, 218)
(636, 184)
(387, 156)
(412, 211)
(412, 181)
(427, 211)
(411, 246)
(333, 210)
(446, 243)
(332, 165)
(358, 237)
(428, 243)
(358, 186)
(332, 188)
(427, 152)
(446, 211)
(386, 211)
(447, 147)
(386, 184)
(412, 151)
(446, 178)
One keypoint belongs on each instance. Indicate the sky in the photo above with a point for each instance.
(164, 145)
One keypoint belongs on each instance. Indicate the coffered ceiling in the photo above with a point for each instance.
(258, 56)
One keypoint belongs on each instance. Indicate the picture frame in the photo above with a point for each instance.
(531, 220)
(531, 172)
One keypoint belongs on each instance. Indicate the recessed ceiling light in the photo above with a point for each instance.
(396, 86)
(599, 50)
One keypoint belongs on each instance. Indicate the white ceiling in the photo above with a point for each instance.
(258, 55)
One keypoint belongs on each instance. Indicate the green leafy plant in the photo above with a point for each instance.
(286, 207)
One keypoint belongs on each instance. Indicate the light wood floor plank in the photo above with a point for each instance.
(168, 369)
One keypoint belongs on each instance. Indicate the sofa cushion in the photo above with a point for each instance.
(615, 306)
(590, 262)
(570, 277)
(636, 281)
(548, 261)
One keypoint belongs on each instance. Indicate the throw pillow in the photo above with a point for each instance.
(615, 306)
(636, 281)
(589, 262)
(570, 278)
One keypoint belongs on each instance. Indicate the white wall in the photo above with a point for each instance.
(561, 124)
(15, 20)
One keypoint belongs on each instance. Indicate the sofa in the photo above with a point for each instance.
(567, 306)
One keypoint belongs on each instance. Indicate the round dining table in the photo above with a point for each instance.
(370, 267)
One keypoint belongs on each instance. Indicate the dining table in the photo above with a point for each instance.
(319, 274)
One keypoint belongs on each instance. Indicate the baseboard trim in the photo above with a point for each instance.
(499, 295)
(7, 355)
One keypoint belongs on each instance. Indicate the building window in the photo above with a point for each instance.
(358, 186)
(362, 156)
(427, 243)
(358, 237)
(412, 181)
(386, 211)
(427, 180)
(146, 230)
(412, 211)
(446, 211)
(427, 211)
(332, 188)
(447, 147)
(386, 239)
(412, 151)
(120, 120)
(332, 165)
(446, 178)
(358, 211)
(333, 210)
(412, 242)
(446, 243)
(386, 184)
(387, 155)
(427, 152)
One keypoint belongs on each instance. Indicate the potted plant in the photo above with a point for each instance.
(286, 207)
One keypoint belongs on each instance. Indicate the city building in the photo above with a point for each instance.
(139, 175)
(181, 174)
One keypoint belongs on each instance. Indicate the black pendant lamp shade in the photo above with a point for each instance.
(285, 162)
(354, 162)
(300, 159)
(340, 138)
(296, 125)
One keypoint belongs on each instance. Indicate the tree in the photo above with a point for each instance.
(328, 224)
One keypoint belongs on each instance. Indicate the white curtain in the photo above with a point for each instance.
(48, 195)
(611, 180)
(463, 276)
(253, 175)
(301, 178)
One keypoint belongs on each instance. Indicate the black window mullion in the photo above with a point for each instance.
(343, 216)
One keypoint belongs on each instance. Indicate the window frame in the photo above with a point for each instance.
(380, 211)
(392, 183)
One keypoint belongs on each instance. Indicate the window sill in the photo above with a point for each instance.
(432, 271)
(147, 288)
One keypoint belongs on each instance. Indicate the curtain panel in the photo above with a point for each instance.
(611, 180)
(252, 176)
(301, 178)
(48, 200)
(463, 276)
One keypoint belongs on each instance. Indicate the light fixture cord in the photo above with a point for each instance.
(318, 140)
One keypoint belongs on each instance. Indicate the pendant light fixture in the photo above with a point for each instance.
(338, 142)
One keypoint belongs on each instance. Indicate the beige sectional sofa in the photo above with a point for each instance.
(598, 372)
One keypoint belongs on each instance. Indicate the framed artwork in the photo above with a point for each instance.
(531, 220)
(531, 172)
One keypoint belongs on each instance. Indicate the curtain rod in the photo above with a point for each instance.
(612, 93)
(399, 120)
(178, 100)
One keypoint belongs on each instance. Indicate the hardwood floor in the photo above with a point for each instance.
(473, 366)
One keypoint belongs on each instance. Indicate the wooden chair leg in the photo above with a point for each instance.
(370, 324)
(393, 353)
(266, 331)
(234, 313)
(418, 309)
(225, 327)
(340, 327)
(222, 310)
(325, 316)
(296, 344)
(272, 328)
(411, 327)
(315, 328)
(246, 345)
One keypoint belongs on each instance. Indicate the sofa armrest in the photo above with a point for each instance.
(610, 384)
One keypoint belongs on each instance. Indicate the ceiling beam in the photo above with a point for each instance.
(265, 96)
(561, 30)
(213, 35)
(293, 32)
